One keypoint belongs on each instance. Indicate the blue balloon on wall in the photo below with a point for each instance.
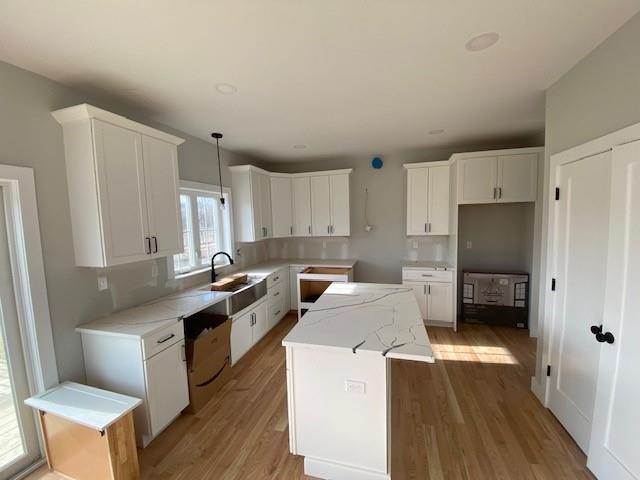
(377, 163)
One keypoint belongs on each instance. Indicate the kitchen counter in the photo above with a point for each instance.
(365, 317)
(267, 268)
(428, 264)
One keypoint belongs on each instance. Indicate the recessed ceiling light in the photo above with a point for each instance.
(226, 88)
(436, 132)
(482, 42)
(299, 146)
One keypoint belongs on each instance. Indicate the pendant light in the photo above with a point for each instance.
(218, 136)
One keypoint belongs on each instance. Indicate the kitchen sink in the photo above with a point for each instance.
(244, 294)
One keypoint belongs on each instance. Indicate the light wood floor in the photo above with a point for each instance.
(471, 415)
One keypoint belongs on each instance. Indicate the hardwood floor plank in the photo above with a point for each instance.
(471, 415)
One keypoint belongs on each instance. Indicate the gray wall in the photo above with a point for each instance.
(599, 95)
(30, 137)
(381, 251)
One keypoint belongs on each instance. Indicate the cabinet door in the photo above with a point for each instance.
(163, 205)
(517, 178)
(477, 180)
(241, 336)
(260, 322)
(265, 205)
(339, 198)
(417, 188)
(281, 207)
(122, 193)
(439, 200)
(256, 209)
(420, 291)
(293, 287)
(302, 206)
(320, 206)
(167, 386)
(440, 302)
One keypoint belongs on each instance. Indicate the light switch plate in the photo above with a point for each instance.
(354, 386)
(469, 244)
(415, 244)
(103, 283)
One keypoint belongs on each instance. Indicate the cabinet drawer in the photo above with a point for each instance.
(275, 278)
(276, 293)
(276, 311)
(158, 341)
(416, 275)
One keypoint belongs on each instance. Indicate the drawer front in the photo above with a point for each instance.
(276, 293)
(415, 275)
(275, 278)
(158, 341)
(276, 312)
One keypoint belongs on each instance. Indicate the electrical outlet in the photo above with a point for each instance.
(469, 244)
(103, 283)
(354, 386)
(324, 244)
(414, 244)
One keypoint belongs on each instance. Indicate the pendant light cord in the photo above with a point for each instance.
(219, 170)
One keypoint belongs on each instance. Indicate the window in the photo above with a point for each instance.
(206, 228)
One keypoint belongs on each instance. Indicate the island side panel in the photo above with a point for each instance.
(335, 424)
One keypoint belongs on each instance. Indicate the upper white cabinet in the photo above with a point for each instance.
(301, 206)
(251, 187)
(282, 206)
(270, 205)
(497, 178)
(428, 198)
(123, 188)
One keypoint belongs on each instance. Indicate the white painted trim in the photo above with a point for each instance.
(204, 187)
(440, 163)
(247, 168)
(30, 287)
(492, 153)
(85, 111)
(599, 145)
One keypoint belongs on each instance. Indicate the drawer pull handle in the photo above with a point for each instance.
(275, 279)
(427, 275)
(167, 338)
(278, 312)
(276, 294)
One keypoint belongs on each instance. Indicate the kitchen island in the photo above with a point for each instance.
(338, 377)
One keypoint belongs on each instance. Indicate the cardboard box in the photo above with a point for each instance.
(208, 365)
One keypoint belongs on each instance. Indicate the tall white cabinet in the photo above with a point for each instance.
(123, 187)
(251, 188)
(282, 206)
(428, 198)
(301, 206)
(330, 205)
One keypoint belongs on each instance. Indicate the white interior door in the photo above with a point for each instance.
(340, 211)
(281, 206)
(582, 226)
(420, 291)
(440, 302)
(161, 180)
(417, 188)
(18, 436)
(320, 206)
(439, 199)
(122, 193)
(477, 180)
(517, 178)
(613, 451)
(301, 207)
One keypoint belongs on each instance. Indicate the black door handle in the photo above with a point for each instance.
(605, 337)
(595, 329)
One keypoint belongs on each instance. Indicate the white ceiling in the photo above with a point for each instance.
(340, 76)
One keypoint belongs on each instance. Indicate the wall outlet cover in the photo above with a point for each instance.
(469, 244)
(103, 283)
(355, 386)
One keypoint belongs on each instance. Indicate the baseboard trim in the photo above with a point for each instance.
(335, 471)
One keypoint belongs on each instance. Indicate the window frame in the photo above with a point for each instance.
(193, 189)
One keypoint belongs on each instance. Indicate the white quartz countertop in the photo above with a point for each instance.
(84, 405)
(428, 264)
(157, 314)
(365, 317)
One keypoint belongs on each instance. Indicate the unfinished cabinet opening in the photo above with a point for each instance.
(313, 281)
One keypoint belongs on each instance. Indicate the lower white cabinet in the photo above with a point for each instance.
(152, 367)
(248, 328)
(434, 292)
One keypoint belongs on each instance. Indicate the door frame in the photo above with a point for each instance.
(539, 383)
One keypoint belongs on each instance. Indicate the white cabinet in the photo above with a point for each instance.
(167, 386)
(434, 291)
(294, 270)
(498, 178)
(123, 188)
(278, 296)
(282, 206)
(330, 215)
(301, 206)
(251, 190)
(428, 199)
(248, 328)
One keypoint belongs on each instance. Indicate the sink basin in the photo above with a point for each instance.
(245, 294)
